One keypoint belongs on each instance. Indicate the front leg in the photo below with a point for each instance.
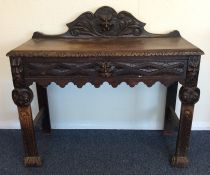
(22, 97)
(189, 94)
(188, 97)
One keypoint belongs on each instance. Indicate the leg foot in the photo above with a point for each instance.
(34, 161)
(180, 162)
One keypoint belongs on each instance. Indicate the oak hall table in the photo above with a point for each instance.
(106, 47)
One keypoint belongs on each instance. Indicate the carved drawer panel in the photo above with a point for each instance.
(113, 72)
(106, 69)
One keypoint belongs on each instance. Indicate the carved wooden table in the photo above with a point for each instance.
(112, 47)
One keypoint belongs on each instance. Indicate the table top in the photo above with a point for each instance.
(114, 46)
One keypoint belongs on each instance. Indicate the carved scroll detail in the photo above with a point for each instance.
(22, 97)
(105, 22)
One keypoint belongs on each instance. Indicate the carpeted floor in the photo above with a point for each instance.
(104, 152)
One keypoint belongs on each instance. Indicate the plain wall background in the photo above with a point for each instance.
(120, 108)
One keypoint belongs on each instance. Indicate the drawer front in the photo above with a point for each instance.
(106, 70)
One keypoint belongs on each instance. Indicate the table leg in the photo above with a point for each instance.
(189, 94)
(43, 103)
(170, 102)
(22, 97)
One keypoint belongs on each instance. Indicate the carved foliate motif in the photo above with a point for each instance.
(105, 22)
(106, 69)
(189, 95)
(17, 72)
(22, 97)
(192, 71)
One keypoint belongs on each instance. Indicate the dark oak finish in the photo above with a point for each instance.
(189, 94)
(22, 97)
(112, 47)
(170, 105)
(43, 103)
(40, 115)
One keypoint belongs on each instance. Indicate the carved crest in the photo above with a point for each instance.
(105, 22)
